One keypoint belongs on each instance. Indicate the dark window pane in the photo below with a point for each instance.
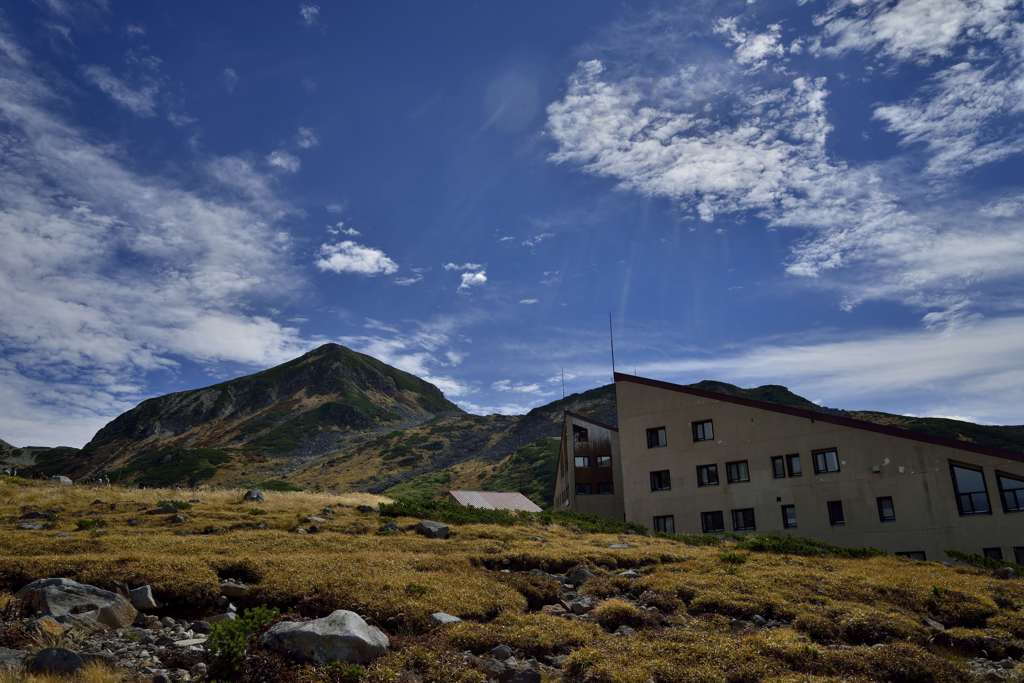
(604, 461)
(886, 511)
(707, 475)
(789, 516)
(584, 489)
(778, 467)
(1012, 492)
(826, 461)
(743, 520)
(582, 460)
(835, 513)
(665, 524)
(737, 471)
(793, 465)
(1018, 554)
(580, 434)
(703, 431)
(712, 521)
(661, 481)
(657, 437)
(971, 492)
(992, 553)
(605, 487)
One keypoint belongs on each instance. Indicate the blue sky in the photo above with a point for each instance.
(827, 195)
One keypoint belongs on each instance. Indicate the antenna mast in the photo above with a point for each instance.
(611, 343)
(563, 383)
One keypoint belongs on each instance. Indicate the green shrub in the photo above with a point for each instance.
(794, 545)
(90, 524)
(614, 613)
(538, 590)
(176, 504)
(983, 562)
(278, 485)
(230, 640)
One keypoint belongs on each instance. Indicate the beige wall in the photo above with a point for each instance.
(916, 475)
(604, 505)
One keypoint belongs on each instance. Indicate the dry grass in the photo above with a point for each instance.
(847, 619)
(92, 673)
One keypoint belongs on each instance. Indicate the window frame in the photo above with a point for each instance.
(659, 432)
(778, 465)
(825, 451)
(953, 465)
(576, 462)
(1000, 475)
(607, 458)
(832, 519)
(790, 458)
(785, 519)
(587, 485)
(753, 519)
(728, 471)
(672, 522)
(697, 426)
(668, 477)
(882, 518)
(710, 467)
(993, 553)
(703, 522)
(577, 430)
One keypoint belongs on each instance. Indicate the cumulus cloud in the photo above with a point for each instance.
(752, 49)
(138, 100)
(283, 161)
(306, 138)
(310, 14)
(108, 274)
(351, 257)
(474, 279)
(462, 266)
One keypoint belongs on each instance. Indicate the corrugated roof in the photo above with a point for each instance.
(495, 500)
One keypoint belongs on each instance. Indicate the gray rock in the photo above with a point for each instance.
(72, 602)
(630, 574)
(313, 519)
(624, 631)
(142, 598)
(341, 636)
(234, 590)
(620, 546)
(31, 526)
(55, 660)
(200, 627)
(1005, 573)
(189, 642)
(431, 529)
(227, 616)
(388, 528)
(62, 480)
(933, 625)
(253, 495)
(501, 652)
(165, 509)
(759, 621)
(179, 519)
(578, 575)
(199, 670)
(365, 508)
(11, 659)
(524, 675)
(444, 618)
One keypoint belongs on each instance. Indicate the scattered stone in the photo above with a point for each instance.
(630, 574)
(1005, 573)
(70, 601)
(30, 513)
(161, 677)
(341, 636)
(200, 627)
(253, 495)
(388, 528)
(227, 616)
(933, 624)
(501, 652)
(578, 575)
(165, 509)
(523, 675)
(189, 642)
(553, 610)
(234, 590)
(11, 659)
(301, 530)
(444, 618)
(142, 598)
(179, 519)
(62, 480)
(313, 519)
(431, 529)
(55, 660)
(624, 631)
(557, 661)
(31, 526)
(620, 546)
(199, 670)
(365, 508)
(581, 605)
(759, 621)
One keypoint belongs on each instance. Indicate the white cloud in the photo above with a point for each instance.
(752, 49)
(537, 239)
(284, 161)
(474, 279)
(229, 77)
(108, 274)
(529, 302)
(140, 100)
(135, 30)
(351, 257)
(335, 207)
(340, 228)
(310, 14)
(516, 387)
(407, 280)
(462, 266)
(306, 138)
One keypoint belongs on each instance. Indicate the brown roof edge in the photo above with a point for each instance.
(824, 417)
(592, 421)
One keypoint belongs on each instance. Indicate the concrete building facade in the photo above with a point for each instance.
(693, 461)
(589, 468)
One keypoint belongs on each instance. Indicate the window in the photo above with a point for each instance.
(789, 516)
(1011, 490)
(707, 475)
(913, 555)
(1018, 554)
(711, 522)
(971, 490)
(778, 467)
(992, 553)
(826, 461)
(584, 489)
(657, 438)
(703, 431)
(793, 465)
(737, 471)
(604, 461)
(661, 481)
(666, 524)
(582, 460)
(605, 487)
(835, 513)
(580, 434)
(743, 520)
(886, 512)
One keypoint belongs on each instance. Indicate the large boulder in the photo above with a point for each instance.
(253, 496)
(68, 601)
(431, 529)
(61, 479)
(342, 636)
(55, 660)
(143, 598)
(11, 659)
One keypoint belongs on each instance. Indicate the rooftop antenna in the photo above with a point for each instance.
(563, 383)
(611, 342)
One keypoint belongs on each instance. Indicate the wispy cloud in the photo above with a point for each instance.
(309, 13)
(306, 138)
(284, 161)
(139, 100)
(229, 77)
(351, 257)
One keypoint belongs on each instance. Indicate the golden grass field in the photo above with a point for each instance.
(845, 619)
